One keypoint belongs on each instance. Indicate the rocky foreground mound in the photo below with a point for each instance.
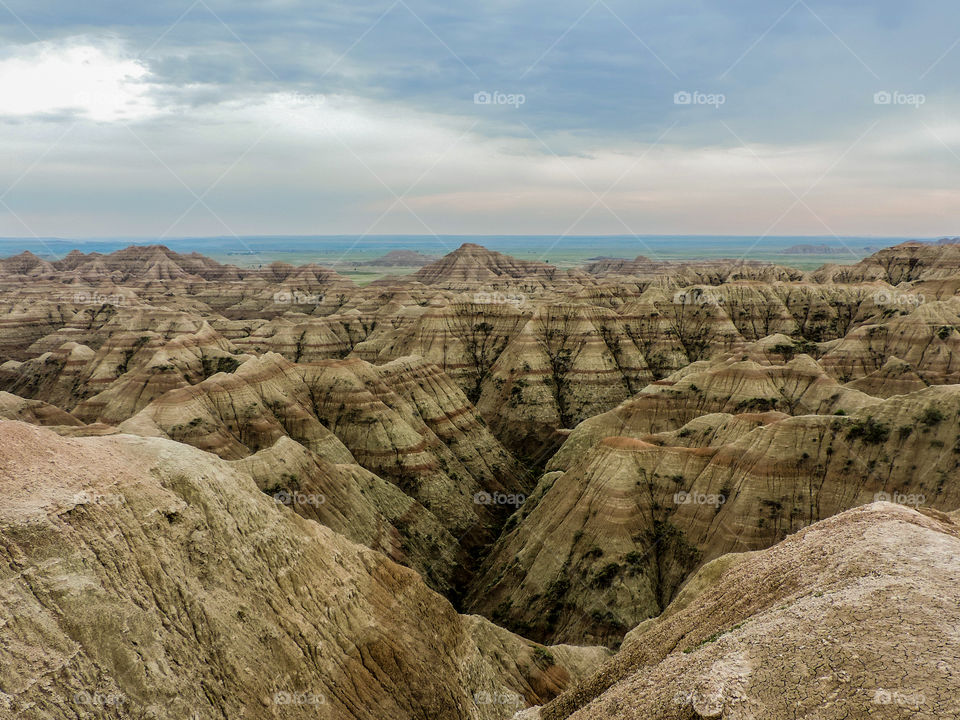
(853, 617)
(143, 578)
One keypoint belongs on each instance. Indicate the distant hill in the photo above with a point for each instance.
(401, 258)
(472, 265)
(813, 250)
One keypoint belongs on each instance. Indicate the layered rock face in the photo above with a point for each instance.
(591, 557)
(472, 266)
(813, 627)
(714, 272)
(124, 374)
(614, 531)
(307, 339)
(360, 506)
(464, 337)
(558, 450)
(926, 338)
(566, 364)
(13, 407)
(731, 386)
(144, 578)
(435, 467)
(904, 263)
(481, 316)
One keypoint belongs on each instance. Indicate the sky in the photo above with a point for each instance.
(744, 117)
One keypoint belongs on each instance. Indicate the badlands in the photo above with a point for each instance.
(492, 488)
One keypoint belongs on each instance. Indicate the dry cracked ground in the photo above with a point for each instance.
(490, 488)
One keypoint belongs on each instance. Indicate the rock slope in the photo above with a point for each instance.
(144, 578)
(613, 532)
(815, 627)
(405, 422)
(423, 407)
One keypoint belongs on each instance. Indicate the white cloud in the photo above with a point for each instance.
(289, 162)
(92, 79)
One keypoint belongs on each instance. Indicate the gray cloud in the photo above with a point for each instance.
(599, 82)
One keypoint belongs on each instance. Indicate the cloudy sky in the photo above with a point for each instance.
(207, 117)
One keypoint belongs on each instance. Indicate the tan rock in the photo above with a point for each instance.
(148, 578)
(811, 627)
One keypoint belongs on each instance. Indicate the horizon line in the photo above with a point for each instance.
(149, 239)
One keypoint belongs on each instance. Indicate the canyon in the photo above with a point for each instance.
(491, 487)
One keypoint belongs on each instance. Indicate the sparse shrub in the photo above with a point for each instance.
(557, 590)
(757, 404)
(594, 552)
(870, 431)
(543, 657)
(787, 351)
(606, 575)
(931, 416)
(502, 611)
